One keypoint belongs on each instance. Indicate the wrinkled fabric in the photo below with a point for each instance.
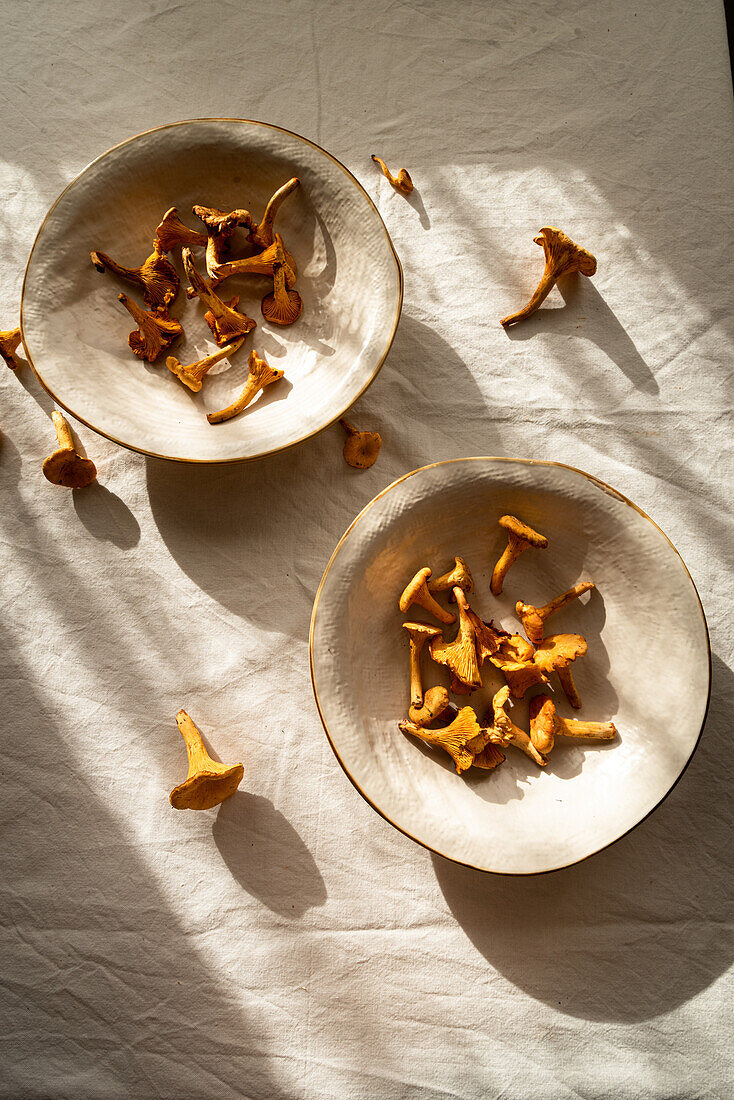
(291, 944)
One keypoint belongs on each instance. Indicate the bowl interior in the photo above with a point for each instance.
(75, 330)
(647, 666)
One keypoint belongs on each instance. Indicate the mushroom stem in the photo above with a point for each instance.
(401, 182)
(564, 675)
(593, 731)
(562, 256)
(225, 322)
(156, 275)
(261, 264)
(533, 618)
(348, 428)
(510, 554)
(208, 782)
(193, 374)
(506, 729)
(261, 375)
(560, 602)
(196, 752)
(543, 289)
(519, 538)
(416, 686)
(63, 431)
(262, 234)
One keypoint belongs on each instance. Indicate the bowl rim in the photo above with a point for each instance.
(604, 487)
(273, 450)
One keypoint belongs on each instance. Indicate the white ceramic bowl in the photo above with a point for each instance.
(647, 667)
(75, 331)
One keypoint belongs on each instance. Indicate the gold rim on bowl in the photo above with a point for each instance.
(605, 488)
(273, 450)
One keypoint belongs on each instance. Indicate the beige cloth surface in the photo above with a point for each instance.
(291, 944)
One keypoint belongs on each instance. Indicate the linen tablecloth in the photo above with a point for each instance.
(291, 944)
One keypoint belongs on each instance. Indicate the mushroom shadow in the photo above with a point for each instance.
(10, 460)
(231, 530)
(106, 913)
(424, 372)
(636, 930)
(266, 856)
(106, 516)
(32, 386)
(231, 527)
(586, 315)
(414, 199)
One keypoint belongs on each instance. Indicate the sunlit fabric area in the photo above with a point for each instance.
(289, 943)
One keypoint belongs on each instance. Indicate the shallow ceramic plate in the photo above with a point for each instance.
(75, 331)
(647, 668)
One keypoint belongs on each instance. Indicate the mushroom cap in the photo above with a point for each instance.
(413, 588)
(260, 370)
(542, 712)
(486, 636)
(513, 647)
(222, 221)
(421, 631)
(436, 702)
(459, 576)
(361, 449)
(564, 253)
(490, 757)
(283, 310)
(522, 675)
(452, 738)
(9, 341)
(207, 788)
(523, 532)
(460, 657)
(558, 650)
(65, 467)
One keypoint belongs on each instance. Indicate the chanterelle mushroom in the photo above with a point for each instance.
(546, 725)
(435, 703)
(460, 656)
(401, 182)
(519, 538)
(172, 233)
(513, 735)
(419, 634)
(514, 656)
(555, 654)
(458, 577)
(562, 257)
(157, 275)
(261, 264)
(360, 448)
(220, 225)
(66, 467)
(486, 636)
(208, 782)
(262, 234)
(225, 322)
(457, 739)
(533, 618)
(542, 723)
(192, 375)
(9, 341)
(155, 332)
(260, 375)
(283, 306)
(417, 592)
